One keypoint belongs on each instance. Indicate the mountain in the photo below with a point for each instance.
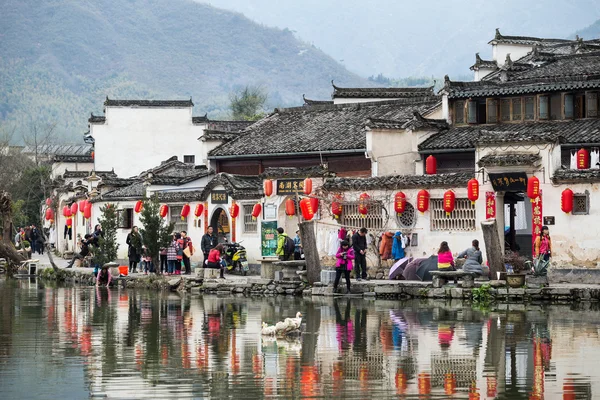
(591, 32)
(59, 59)
(415, 38)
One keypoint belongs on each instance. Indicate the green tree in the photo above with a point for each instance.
(107, 244)
(155, 233)
(247, 104)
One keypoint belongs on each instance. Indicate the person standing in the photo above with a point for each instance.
(33, 235)
(345, 255)
(208, 242)
(163, 261)
(18, 237)
(297, 246)
(188, 251)
(359, 244)
(285, 245)
(172, 251)
(543, 252)
(134, 252)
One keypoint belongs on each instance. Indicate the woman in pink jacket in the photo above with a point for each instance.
(345, 255)
(445, 258)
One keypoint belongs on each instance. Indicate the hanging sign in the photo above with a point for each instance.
(536, 219)
(490, 205)
(290, 186)
(219, 197)
(513, 181)
(268, 236)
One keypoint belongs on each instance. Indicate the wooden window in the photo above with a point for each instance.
(408, 219)
(543, 107)
(125, 218)
(580, 106)
(461, 219)
(352, 218)
(189, 159)
(529, 108)
(472, 112)
(581, 203)
(505, 110)
(591, 104)
(492, 111)
(250, 224)
(556, 107)
(569, 109)
(459, 112)
(175, 218)
(516, 109)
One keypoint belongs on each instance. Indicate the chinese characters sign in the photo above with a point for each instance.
(219, 197)
(536, 219)
(490, 205)
(290, 186)
(268, 238)
(513, 181)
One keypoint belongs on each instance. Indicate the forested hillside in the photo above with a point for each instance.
(59, 59)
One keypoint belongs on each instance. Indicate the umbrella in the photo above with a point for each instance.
(426, 267)
(410, 272)
(398, 267)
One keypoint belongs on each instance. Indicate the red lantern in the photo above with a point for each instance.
(399, 203)
(314, 203)
(256, 210)
(423, 201)
(533, 188)
(74, 209)
(234, 210)
(363, 199)
(138, 206)
(336, 209)
(87, 212)
(68, 212)
(307, 186)
(64, 211)
(69, 222)
(307, 210)
(185, 211)
(566, 201)
(198, 210)
(82, 204)
(449, 202)
(49, 214)
(48, 201)
(163, 210)
(268, 187)
(290, 208)
(583, 159)
(430, 165)
(473, 190)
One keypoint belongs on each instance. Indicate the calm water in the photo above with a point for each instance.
(76, 343)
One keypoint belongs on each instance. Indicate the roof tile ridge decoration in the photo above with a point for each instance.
(480, 63)
(252, 191)
(509, 159)
(500, 37)
(200, 119)
(419, 122)
(383, 92)
(296, 172)
(576, 176)
(96, 119)
(357, 106)
(394, 182)
(147, 103)
(309, 102)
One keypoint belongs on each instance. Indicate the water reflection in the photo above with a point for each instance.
(64, 342)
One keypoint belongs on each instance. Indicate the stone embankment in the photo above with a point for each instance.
(497, 291)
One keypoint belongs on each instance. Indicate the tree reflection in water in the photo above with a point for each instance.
(138, 344)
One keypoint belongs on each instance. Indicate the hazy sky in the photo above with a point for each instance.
(428, 37)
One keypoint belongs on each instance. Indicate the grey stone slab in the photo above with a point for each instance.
(388, 289)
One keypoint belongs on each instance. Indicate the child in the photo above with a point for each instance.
(148, 265)
(345, 255)
(172, 252)
(445, 258)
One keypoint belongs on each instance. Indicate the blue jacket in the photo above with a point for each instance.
(397, 250)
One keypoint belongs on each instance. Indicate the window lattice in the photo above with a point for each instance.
(505, 109)
(580, 204)
(516, 109)
(250, 224)
(461, 219)
(529, 108)
(408, 218)
(373, 220)
(459, 112)
(176, 219)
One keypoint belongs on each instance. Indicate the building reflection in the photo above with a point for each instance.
(143, 344)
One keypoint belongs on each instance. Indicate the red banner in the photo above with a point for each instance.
(490, 205)
(536, 219)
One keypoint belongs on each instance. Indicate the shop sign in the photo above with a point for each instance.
(536, 219)
(510, 181)
(290, 186)
(219, 197)
(490, 205)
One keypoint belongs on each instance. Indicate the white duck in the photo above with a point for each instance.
(294, 323)
(268, 330)
(282, 326)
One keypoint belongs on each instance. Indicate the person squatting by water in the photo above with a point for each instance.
(345, 255)
(104, 277)
(215, 260)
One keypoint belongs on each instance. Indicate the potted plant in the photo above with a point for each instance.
(516, 268)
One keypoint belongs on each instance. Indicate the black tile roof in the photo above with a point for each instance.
(132, 192)
(314, 129)
(508, 160)
(116, 182)
(179, 196)
(309, 102)
(381, 93)
(420, 122)
(576, 175)
(228, 126)
(239, 187)
(394, 182)
(96, 119)
(59, 149)
(465, 137)
(212, 134)
(523, 40)
(295, 172)
(480, 63)
(74, 158)
(148, 103)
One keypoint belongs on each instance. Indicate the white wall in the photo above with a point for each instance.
(59, 168)
(152, 134)
(481, 73)
(516, 51)
(394, 151)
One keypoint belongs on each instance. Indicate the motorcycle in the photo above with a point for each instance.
(235, 257)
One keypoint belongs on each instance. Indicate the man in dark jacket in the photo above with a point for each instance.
(359, 244)
(85, 250)
(209, 242)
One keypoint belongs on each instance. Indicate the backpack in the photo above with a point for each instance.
(288, 246)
